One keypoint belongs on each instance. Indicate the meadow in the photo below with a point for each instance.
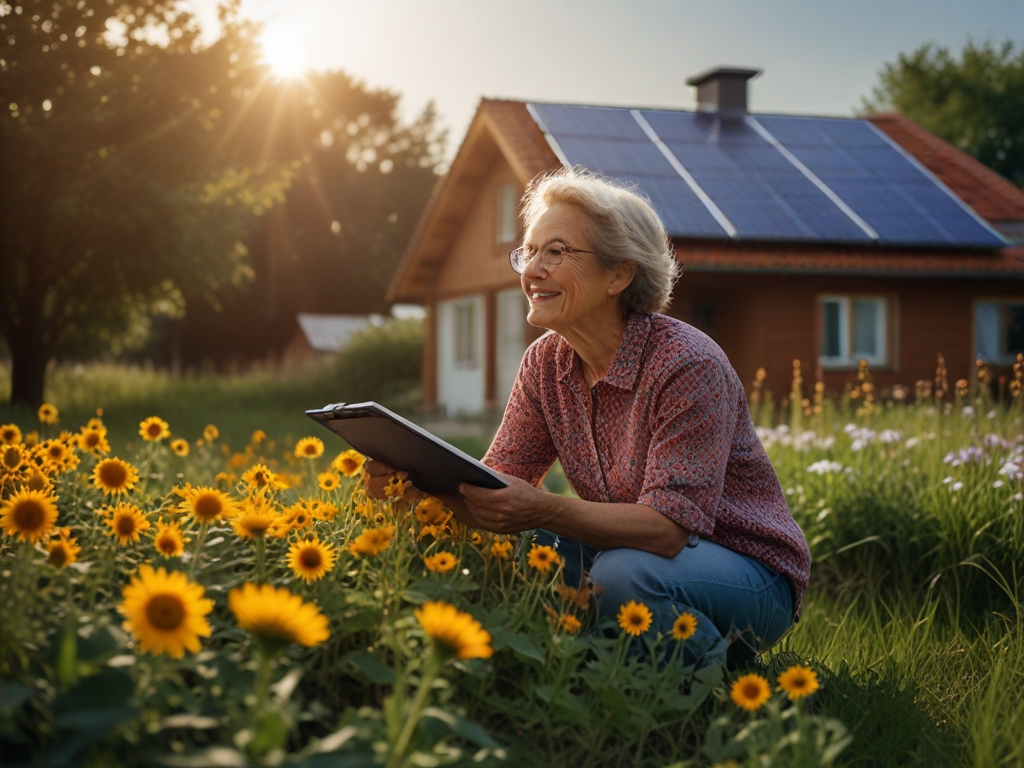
(245, 595)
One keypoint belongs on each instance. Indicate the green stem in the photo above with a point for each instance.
(261, 547)
(430, 672)
(262, 677)
(194, 565)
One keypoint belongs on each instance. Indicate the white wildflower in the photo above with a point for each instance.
(825, 467)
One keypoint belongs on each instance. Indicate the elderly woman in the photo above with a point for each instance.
(679, 506)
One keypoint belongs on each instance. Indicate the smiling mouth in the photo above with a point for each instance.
(542, 295)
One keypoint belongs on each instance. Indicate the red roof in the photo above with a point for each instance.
(992, 197)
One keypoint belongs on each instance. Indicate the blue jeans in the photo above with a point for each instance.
(742, 606)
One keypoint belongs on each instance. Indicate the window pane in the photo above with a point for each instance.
(988, 343)
(865, 327)
(1014, 329)
(830, 344)
(465, 343)
(507, 213)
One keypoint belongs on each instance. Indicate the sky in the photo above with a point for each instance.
(819, 57)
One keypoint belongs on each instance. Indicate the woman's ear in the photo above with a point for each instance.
(622, 276)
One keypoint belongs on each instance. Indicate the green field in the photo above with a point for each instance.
(912, 621)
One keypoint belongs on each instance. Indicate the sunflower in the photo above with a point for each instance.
(430, 511)
(180, 447)
(38, 481)
(10, 434)
(454, 631)
(12, 456)
(309, 448)
(210, 433)
(577, 596)
(30, 515)
(569, 623)
(31, 438)
(154, 428)
(325, 511)
(372, 541)
(113, 476)
(276, 617)
(349, 462)
(798, 681)
(126, 522)
(59, 456)
(63, 550)
(93, 440)
(750, 692)
(360, 504)
(48, 414)
(436, 531)
(501, 550)
(542, 557)
(258, 437)
(169, 540)
(260, 478)
(207, 504)
(397, 486)
(311, 559)
(297, 516)
(442, 562)
(257, 518)
(634, 618)
(165, 612)
(328, 481)
(684, 626)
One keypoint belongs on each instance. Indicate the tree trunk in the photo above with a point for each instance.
(28, 373)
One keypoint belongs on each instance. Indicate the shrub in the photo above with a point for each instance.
(382, 363)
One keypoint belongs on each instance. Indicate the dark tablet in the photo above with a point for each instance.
(433, 466)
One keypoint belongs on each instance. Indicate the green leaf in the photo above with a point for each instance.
(467, 729)
(358, 621)
(370, 668)
(522, 645)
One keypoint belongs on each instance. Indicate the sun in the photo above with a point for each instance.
(284, 50)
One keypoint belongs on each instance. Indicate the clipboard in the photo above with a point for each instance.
(434, 466)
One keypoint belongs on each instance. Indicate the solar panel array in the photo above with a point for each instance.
(770, 177)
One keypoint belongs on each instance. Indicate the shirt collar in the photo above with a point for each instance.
(625, 365)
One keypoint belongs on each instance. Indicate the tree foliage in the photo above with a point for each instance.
(975, 102)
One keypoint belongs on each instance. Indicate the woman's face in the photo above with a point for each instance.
(578, 287)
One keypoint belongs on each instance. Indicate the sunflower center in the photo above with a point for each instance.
(113, 475)
(636, 620)
(125, 525)
(37, 482)
(257, 526)
(208, 507)
(12, 457)
(92, 439)
(155, 430)
(310, 558)
(58, 556)
(167, 544)
(349, 466)
(751, 690)
(29, 515)
(260, 479)
(165, 612)
(56, 451)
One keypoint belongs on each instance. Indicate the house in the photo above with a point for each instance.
(827, 240)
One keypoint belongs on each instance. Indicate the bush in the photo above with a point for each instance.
(382, 363)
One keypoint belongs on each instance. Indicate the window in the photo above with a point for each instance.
(465, 334)
(853, 328)
(998, 331)
(508, 231)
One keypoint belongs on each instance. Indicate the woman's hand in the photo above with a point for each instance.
(518, 507)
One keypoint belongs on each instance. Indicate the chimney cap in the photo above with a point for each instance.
(717, 72)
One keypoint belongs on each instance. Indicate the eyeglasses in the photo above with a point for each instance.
(550, 258)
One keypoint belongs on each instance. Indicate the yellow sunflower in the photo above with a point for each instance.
(577, 596)
(750, 692)
(435, 531)
(154, 428)
(63, 550)
(29, 515)
(38, 481)
(798, 681)
(298, 516)
(328, 481)
(207, 504)
(309, 448)
(48, 413)
(113, 476)
(31, 438)
(397, 486)
(210, 433)
(442, 562)
(126, 522)
(12, 456)
(501, 550)
(310, 559)
(257, 517)
(276, 617)
(454, 631)
(430, 511)
(260, 478)
(258, 437)
(634, 618)
(180, 447)
(569, 623)
(169, 540)
(349, 462)
(59, 456)
(360, 504)
(684, 626)
(372, 541)
(10, 434)
(165, 612)
(542, 557)
(93, 440)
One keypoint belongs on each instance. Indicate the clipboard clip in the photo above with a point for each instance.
(334, 408)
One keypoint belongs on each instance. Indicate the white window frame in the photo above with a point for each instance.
(1004, 357)
(464, 343)
(847, 358)
(507, 229)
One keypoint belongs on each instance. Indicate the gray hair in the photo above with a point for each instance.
(623, 226)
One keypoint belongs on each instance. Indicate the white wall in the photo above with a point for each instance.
(511, 336)
(460, 386)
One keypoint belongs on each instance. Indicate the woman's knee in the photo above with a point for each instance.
(622, 575)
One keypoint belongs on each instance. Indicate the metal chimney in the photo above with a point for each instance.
(723, 90)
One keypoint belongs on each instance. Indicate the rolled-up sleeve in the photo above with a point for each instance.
(523, 446)
(695, 418)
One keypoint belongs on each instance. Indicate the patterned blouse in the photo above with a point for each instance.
(667, 427)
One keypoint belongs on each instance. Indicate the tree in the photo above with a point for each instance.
(975, 103)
